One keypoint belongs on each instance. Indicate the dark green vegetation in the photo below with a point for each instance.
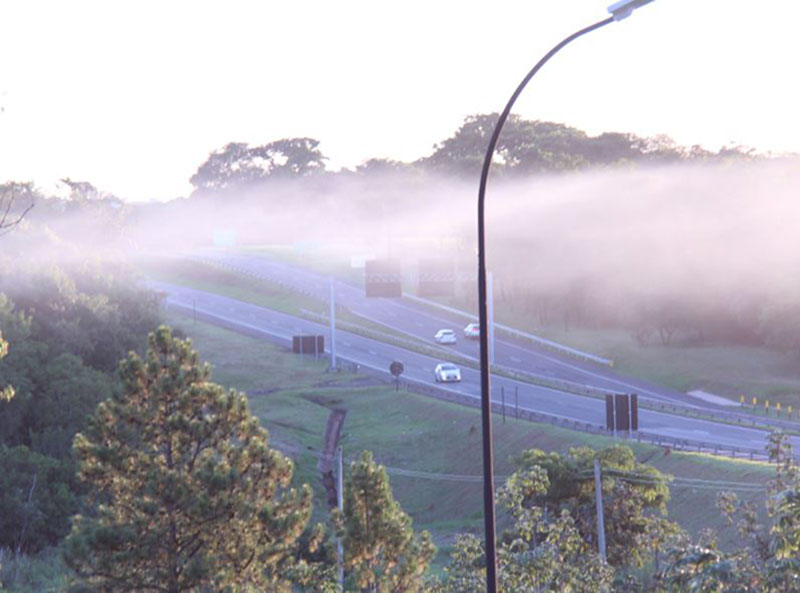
(66, 332)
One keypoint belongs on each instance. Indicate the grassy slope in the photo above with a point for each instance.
(724, 370)
(293, 397)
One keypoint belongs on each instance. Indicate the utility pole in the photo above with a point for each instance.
(333, 325)
(340, 505)
(598, 495)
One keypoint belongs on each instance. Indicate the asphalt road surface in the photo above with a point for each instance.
(378, 355)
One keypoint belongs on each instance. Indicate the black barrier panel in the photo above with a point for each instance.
(382, 278)
(621, 412)
(308, 345)
(436, 278)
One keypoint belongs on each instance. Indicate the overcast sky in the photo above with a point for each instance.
(133, 96)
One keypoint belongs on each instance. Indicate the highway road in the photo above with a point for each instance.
(408, 316)
(418, 367)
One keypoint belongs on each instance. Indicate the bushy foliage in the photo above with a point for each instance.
(61, 333)
(37, 499)
(768, 557)
(90, 310)
(550, 543)
(634, 497)
(538, 552)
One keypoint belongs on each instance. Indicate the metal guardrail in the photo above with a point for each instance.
(672, 443)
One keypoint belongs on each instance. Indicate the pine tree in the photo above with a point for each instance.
(382, 553)
(187, 495)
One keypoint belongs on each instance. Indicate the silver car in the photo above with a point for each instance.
(445, 336)
(447, 372)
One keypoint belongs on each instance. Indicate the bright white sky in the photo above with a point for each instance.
(132, 96)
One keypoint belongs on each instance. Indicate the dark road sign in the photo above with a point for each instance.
(396, 368)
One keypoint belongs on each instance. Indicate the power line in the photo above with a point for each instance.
(634, 477)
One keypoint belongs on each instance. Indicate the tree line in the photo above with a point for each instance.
(525, 147)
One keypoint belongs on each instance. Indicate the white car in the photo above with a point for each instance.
(447, 372)
(445, 336)
(472, 331)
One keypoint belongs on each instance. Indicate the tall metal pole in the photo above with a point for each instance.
(483, 317)
(333, 325)
(490, 296)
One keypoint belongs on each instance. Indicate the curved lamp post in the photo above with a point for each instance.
(619, 10)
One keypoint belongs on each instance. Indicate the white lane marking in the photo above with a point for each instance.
(419, 324)
(346, 343)
(372, 352)
(515, 359)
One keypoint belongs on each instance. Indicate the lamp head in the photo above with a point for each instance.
(623, 9)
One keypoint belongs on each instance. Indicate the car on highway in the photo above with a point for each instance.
(447, 372)
(445, 336)
(472, 331)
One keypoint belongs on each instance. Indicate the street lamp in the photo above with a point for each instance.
(618, 10)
